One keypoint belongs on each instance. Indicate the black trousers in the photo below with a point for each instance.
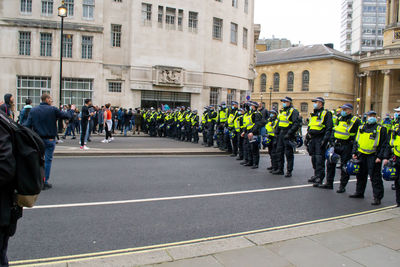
(204, 136)
(255, 153)
(369, 167)
(235, 143)
(240, 145)
(195, 134)
(210, 135)
(227, 143)
(283, 148)
(246, 149)
(344, 151)
(84, 125)
(317, 154)
(188, 129)
(220, 137)
(5, 234)
(272, 153)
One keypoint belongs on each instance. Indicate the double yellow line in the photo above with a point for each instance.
(123, 252)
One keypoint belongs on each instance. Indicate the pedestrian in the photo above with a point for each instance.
(108, 122)
(127, 121)
(369, 150)
(288, 125)
(138, 122)
(71, 123)
(9, 211)
(23, 115)
(85, 116)
(100, 118)
(8, 105)
(318, 136)
(342, 141)
(43, 120)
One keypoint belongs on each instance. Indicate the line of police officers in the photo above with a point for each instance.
(241, 131)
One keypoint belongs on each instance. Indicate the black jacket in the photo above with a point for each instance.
(294, 127)
(7, 174)
(259, 122)
(383, 142)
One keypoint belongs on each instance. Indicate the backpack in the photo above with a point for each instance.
(28, 150)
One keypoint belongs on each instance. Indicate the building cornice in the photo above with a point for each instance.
(309, 58)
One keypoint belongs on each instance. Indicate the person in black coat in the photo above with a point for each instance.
(9, 211)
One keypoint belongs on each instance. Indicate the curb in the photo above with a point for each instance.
(208, 246)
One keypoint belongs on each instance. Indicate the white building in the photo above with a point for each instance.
(129, 53)
(368, 20)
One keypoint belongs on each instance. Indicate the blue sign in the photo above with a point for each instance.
(248, 98)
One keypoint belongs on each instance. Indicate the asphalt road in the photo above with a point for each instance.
(60, 231)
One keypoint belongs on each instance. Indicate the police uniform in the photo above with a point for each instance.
(195, 126)
(238, 124)
(211, 120)
(204, 125)
(188, 126)
(369, 146)
(342, 139)
(288, 125)
(257, 122)
(152, 121)
(246, 144)
(221, 121)
(270, 128)
(232, 139)
(318, 135)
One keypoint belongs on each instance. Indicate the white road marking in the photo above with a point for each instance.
(174, 198)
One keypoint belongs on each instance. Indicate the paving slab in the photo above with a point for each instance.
(208, 261)
(376, 255)
(305, 252)
(369, 218)
(208, 248)
(135, 259)
(296, 232)
(253, 256)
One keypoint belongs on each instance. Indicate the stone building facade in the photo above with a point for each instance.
(129, 53)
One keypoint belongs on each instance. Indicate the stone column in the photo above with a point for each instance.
(368, 90)
(386, 91)
(392, 13)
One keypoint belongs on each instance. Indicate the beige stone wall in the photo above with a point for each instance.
(330, 78)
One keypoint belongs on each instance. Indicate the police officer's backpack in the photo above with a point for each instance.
(28, 150)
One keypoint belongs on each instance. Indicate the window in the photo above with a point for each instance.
(67, 46)
(275, 106)
(146, 14)
(304, 107)
(114, 87)
(235, 3)
(180, 19)
(115, 35)
(306, 81)
(70, 7)
(87, 47)
(245, 37)
(32, 88)
(276, 82)
(217, 28)
(234, 33)
(170, 15)
(25, 43)
(75, 91)
(88, 9)
(214, 95)
(193, 19)
(45, 44)
(26, 6)
(263, 83)
(160, 15)
(290, 81)
(246, 6)
(47, 7)
(231, 96)
(118, 1)
(242, 96)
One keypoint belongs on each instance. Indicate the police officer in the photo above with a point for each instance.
(238, 130)
(232, 146)
(270, 134)
(179, 123)
(253, 131)
(392, 151)
(204, 125)
(195, 126)
(221, 121)
(188, 125)
(369, 149)
(317, 138)
(387, 122)
(288, 125)
(342, 139)
(395, 123)
(211, 120)
(246, 143)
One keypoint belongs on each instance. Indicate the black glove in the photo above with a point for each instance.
(323, 145)
(287, 136)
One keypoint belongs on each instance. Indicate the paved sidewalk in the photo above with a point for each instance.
(371, 239)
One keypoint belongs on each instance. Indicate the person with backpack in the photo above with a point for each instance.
(43, 120)
(23, 115)
(71, 123)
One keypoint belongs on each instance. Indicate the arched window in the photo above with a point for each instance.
(306, 81)
(304, 107)
(276, 82)
(275, 106)
(263, 83)
(290, 81)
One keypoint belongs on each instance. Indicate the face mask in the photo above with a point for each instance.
(343, 113)
(284, 105)
(396, 115)
(240, 113)
(223, 106)
(371, 120)
(271, 115)
(315, 105)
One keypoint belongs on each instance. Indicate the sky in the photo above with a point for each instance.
(305, 21)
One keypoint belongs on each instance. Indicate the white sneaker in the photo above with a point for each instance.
(84, 148)
(104, 141)
(112, 138)
(85, 143)
(60, 141)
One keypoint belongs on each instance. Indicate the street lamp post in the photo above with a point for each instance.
(270, 98)
(62, 13)
(261, 99)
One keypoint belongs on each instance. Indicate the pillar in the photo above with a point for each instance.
(386, 91)
(368, 91)
(392, 13)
